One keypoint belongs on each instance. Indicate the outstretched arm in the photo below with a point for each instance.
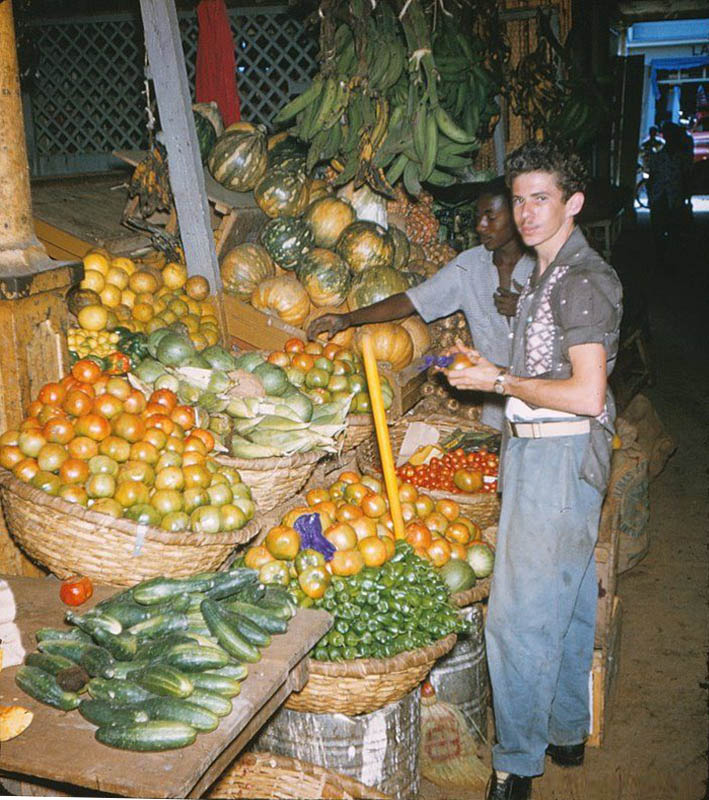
(394, 307)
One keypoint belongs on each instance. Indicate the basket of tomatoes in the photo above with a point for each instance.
(468, 476)
(101, 480)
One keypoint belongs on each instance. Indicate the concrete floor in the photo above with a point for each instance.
(658, 730)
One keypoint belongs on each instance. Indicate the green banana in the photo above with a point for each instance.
(396, 170)
(380, 66)
(315, 150)
(418, 125)
(451, 161)
(412, 182)
(396, 65)
(350, 169)
(431, 148)
(438, 178)
(301, 102)
(450, 128)
(329, 95)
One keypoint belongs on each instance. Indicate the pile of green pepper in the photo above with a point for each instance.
(402, 605)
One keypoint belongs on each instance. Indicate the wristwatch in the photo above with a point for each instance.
(499, 385)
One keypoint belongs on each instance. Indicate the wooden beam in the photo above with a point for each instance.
(167, 65)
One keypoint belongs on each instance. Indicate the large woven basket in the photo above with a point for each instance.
(68, 539)
(274, 480)
(266, 775)
(365, 684)
(359, 428)
(477, 594)
(481, 507)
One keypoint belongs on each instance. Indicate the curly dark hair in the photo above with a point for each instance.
(569, 169)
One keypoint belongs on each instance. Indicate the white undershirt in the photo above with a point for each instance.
(517, 410)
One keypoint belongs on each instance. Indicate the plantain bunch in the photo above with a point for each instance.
(150, 181)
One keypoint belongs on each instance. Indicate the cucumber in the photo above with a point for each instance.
(116, 690)
(159, 626)
(91, 623)
(252, 632)
(44, 687)
(130, 613)
(216, 703)
(158, 589)
(52, 664)
(155, 648)
(64, 634)
(252, 593)
(154, 735)
(170, 708)
(123, 646)
(119, 597)
(228, 583)
(164, 680)
(229, 638)
(126, 669)
(98, 662)
(238, 672)
(193, 657)
(263, 617)
(72, 650)
(103, 712)
(195, 601)
(219, 684)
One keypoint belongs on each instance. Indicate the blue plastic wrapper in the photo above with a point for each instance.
(310, 532)
(436, 361)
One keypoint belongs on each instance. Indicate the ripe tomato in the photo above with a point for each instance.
(128, 426)
(77, 403)
(439, 552)
(331, 351)
(116, 448)
(94, 426)
(86, 370)
(107, 406)
(51, 394)
(346, 562)
(449, 509)
(279, 358)
(373, 550)
(26, 469)
(135, 402)
(194, 444)
(417, 535)
(314, 496)
(294, 345)
(165, 398)
(162, 422)
(183, 416)
(364, 527)
(468, 480)
(74, 470)
(76, 590)
(372, 505)
(10, 455)
(205, 436)
(257, 556)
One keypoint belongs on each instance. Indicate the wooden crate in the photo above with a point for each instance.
(251, 329)
(602, 678)
(606, 555)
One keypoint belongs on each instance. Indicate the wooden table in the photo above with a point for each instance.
(60, 747)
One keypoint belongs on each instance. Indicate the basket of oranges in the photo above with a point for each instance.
(103, 481)
(469, 478)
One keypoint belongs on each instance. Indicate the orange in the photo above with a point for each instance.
(143, 281)
(93, 317)
(174, 275)
(117, 277)
(124, 263)
(93, 280)
(97, 262)
(110, 296)
(142, 312)
(197, 287)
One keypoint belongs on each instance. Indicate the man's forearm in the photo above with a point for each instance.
(394, 307)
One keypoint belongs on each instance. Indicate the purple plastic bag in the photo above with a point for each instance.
(310, 532)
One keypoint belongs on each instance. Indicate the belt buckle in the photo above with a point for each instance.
(537, 430)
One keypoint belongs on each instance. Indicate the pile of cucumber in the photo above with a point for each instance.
(160, 662)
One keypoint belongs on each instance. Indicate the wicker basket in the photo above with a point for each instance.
(477, 594)
(266, 775)
(68, 539)
(273, 480)
(365, 684)
(359, 428)
(481, 507)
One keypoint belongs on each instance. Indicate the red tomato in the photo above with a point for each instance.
(76, 590)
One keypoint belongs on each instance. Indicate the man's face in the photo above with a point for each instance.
(539, 208)
(493, 221)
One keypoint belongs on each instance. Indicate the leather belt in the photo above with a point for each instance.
(540, 429)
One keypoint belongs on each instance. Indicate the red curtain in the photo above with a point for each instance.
(216, 63)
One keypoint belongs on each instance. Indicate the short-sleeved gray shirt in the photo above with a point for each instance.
(467, 283)
(577, 300)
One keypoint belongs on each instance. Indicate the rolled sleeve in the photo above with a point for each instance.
(440, 295)
(588, 305)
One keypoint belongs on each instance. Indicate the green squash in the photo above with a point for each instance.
(325, 276)
(287, 154)
(375, 284)
(211, 112)
(328, 217)
(287, 240)
(402, 248)
(206, 135)
(249, 360)
(238, 159)
(244, 267)
(365, 244)
(273, 378)
(458, 575)
(282, 192)
(174, 349)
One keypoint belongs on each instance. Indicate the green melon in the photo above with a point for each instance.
(287, 239)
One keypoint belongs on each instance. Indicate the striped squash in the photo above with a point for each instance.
(325, 276)
(238, 159)
(283, 193)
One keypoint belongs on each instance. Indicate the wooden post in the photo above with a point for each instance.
(167, 65)
(33, 314)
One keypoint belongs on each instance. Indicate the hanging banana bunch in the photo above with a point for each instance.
(381, 109)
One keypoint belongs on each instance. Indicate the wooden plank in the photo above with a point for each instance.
(167, 64)
(602, 678)
(61, 747)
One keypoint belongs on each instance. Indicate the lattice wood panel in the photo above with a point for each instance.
(87, 99)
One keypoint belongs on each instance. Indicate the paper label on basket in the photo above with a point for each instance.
(418, 434)
(139, 539)
(11, 650)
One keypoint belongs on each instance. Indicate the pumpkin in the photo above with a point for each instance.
(282, 192)
(212, 113)
(390, 342)
(287, 240)
(284, 297)
(344, 338)
(206, 135)
(244, 267)
(319, 189)
(365, 244)
(325, 276)
(238, 159)
(418, 331)
(401, 247)
(421, 267)
(243, 126)
(375, 284)
(328, 217)
(285, 148)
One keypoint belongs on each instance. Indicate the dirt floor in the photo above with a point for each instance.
(657, 733)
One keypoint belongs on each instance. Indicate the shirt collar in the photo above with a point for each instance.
(572, 249)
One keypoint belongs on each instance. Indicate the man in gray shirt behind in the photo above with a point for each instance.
(479, 282)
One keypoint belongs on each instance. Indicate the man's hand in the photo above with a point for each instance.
(506, 300)
(479, 378)
(329, 324)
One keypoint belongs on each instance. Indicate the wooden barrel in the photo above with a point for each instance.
(379, 749)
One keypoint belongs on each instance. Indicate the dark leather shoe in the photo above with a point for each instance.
(514, 787)
(566, 755)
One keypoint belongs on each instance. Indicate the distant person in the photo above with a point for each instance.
(483, 282)
(652, 144)
(667, 187)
